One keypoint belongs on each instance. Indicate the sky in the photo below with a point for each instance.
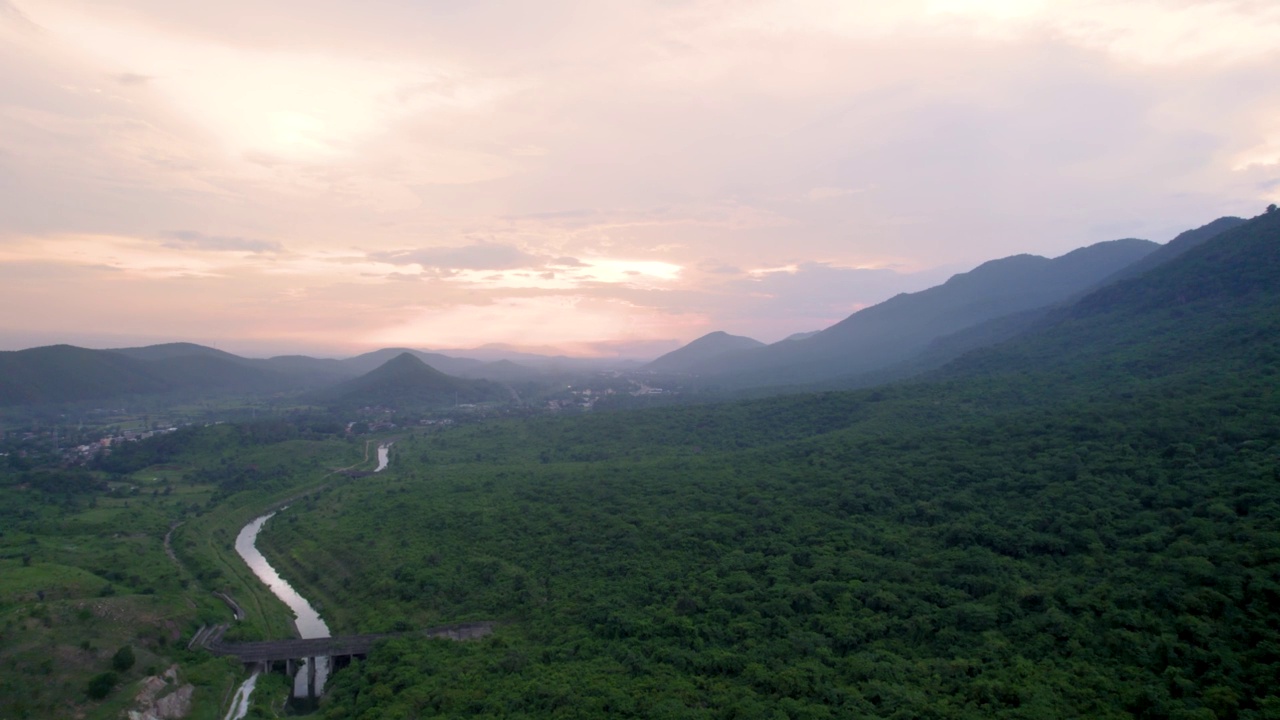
(603, 177)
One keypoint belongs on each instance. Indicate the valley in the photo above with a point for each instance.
(1074, 514)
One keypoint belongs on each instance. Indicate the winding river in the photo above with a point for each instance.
(307, 620)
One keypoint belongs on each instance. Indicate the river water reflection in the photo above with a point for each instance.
(308, 621)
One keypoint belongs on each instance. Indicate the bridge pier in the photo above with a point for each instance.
(338, 662)
(338, 651)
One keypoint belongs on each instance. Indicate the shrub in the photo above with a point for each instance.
(102, 684)
(123, 659)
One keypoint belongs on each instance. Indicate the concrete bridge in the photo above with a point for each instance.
(339, 651)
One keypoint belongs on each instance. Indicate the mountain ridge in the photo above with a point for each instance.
(947, 348)
(875, 338)
(1218, 294)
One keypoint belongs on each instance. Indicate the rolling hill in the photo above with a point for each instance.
(60, 374)
(176, 350)
(65, 373)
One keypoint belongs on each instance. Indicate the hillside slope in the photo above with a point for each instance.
(1177, 246)
(949, 347)
(1212, 307)
(900, 327)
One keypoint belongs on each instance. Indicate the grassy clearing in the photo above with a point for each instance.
(22, 584)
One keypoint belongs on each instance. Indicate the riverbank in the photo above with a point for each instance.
(204, 547)
(307, 623)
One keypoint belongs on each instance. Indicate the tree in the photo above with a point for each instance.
(101, 685)
(123, 659)
(1271, 208)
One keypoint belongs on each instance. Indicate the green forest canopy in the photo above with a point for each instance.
(1084, 522)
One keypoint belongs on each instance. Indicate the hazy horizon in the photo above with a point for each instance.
(639, 351)
(609, 179)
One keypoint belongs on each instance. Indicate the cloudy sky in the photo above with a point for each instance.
(597, 176)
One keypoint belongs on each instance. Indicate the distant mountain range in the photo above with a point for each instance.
(895, 330)
(903, 336)
(550, 363)
(912, 333)
(64, 374)
(67, 374)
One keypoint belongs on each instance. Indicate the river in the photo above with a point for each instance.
(240, 703)
(307, 620)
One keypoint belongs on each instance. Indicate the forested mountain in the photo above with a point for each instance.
(405, 381)
(64, 373)
(170, 351)
(893, 331)
(705, 349)
(992, 332)
(1175, 247)
(1081, 522)
(276, 373)
(68, 374)
(1213, 303)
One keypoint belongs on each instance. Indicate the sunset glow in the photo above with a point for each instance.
(271, 176)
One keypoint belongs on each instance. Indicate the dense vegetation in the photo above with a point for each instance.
(1085, 522)
(1088, 560)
